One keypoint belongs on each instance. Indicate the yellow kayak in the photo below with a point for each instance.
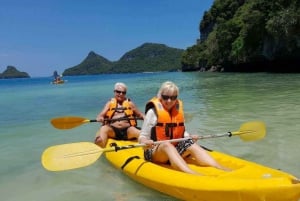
(247, 181)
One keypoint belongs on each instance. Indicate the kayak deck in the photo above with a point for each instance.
(247, 181)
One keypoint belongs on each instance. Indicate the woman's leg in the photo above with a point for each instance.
(167, 152)
(203, 158)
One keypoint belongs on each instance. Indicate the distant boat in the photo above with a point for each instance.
(58, 82)
(57, 78)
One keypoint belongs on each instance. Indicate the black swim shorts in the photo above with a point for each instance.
(121, 134)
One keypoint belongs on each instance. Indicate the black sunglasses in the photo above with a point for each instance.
(120, 92)
(165, 97)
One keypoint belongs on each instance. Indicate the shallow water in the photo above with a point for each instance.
(214, 103)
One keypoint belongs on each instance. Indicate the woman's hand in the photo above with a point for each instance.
(194, 137)
(149, 143)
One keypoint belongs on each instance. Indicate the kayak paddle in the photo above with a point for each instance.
(69, 122)
(81, 154)
(250, 131)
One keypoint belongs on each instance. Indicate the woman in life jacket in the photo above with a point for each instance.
(164, 120)
(118, 118)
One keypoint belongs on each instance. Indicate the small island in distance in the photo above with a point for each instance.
(12, 72)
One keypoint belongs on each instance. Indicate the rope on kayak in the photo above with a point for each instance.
(128, 161)
(136, 171)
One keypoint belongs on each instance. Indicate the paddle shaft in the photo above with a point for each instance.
(249, 131)
(114, 147)
(69, 122)
(117, 148)
(118, 119)
(229, 134)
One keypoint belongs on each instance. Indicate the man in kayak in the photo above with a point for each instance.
(57, 77)
(118, 118)
(164, 120)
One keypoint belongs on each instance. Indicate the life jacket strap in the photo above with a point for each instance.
(170, 124)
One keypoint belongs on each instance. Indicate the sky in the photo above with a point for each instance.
(41, 36)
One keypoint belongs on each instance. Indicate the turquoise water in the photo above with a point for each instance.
(214, 103)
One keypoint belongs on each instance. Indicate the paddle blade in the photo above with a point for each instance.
(251, 131)
(70, 156)
(68, 122)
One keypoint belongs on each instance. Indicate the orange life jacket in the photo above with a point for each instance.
(126, 108)
(169, 125)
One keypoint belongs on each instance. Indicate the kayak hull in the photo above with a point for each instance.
(247, 181)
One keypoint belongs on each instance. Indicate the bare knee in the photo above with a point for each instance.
(133, 132)
(98, 141)
(166, 146)
(102, 135)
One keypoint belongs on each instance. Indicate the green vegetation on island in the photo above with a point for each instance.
(92, 64)
(247, 36)
(149, 57)
(12, 72)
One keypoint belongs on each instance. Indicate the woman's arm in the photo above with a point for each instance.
(149, 122)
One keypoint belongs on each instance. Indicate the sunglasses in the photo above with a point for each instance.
(165, 97)
(120, 92)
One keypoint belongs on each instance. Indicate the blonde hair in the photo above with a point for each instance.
(168, 86)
